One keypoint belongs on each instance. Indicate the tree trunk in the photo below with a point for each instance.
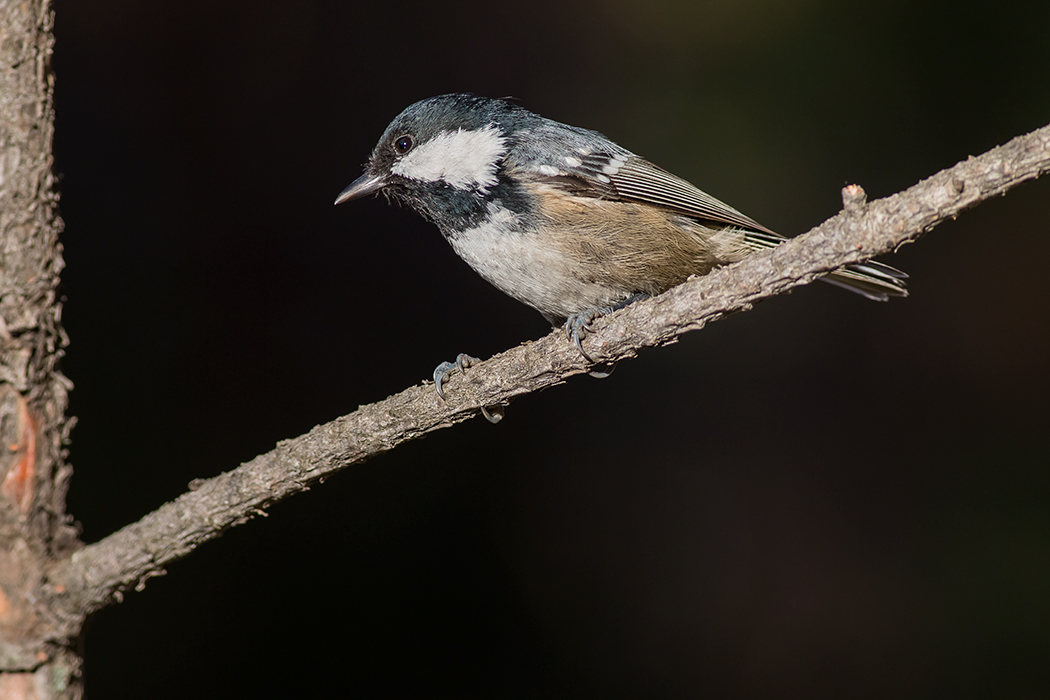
(33, 474)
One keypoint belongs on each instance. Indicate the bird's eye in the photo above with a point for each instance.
(404, 144)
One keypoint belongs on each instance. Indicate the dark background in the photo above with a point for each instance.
(825, 497)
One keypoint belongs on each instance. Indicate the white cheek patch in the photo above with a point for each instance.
(464, 159)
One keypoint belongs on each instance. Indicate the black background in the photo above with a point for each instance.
(824, 497)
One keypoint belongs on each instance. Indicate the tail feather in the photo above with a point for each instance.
(874, 280)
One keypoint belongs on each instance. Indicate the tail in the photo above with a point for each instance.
(871, 279)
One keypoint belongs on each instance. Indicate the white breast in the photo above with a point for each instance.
(528, 267)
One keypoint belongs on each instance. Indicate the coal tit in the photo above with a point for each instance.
(559, 217)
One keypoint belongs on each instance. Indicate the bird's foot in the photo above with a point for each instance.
(579, 324)
(442, 371)
(492, 414)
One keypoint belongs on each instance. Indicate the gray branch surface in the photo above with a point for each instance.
(99, 574)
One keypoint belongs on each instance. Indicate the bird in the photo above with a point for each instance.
(561, 218)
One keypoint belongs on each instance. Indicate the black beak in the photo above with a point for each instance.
(366, 184)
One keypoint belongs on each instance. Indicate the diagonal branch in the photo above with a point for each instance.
(98, 574)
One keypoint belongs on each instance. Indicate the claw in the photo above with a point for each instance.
(442, 371)
(577, 326)
(579, 345)
(493, 416)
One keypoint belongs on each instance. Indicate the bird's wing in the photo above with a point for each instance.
(625, 176)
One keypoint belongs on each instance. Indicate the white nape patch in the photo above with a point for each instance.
(573, 161)
(464, 159)
(547, 170)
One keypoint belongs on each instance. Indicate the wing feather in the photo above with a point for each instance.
(628, 177)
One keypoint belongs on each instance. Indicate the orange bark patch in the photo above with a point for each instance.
(18, 482)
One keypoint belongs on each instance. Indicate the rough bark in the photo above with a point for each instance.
(34, 529)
